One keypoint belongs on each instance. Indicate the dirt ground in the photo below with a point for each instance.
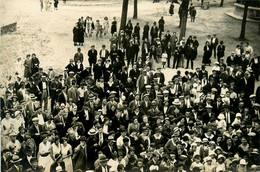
(49, 34)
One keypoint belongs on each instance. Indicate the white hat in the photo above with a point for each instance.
(238, 115)
(176, 102)
(208, 158)
(205, 140)
(221, 116)
(252, 96)
(242, 162)
(198, 140)
(59, 168)
(35, 119)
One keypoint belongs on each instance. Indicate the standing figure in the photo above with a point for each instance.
(193, 12)
(56, 2)
(154, 32)
(161, 26)
(214, 44)
(190, 52)
(35, 64)
(105, 26)
(92, 56)
(98, 29)
(146, 31)
(114, 26)
(220, 50)
(81, 35)
(207, 54)
(129, 28)
(171, 10)
(137, 31)
(89, 25)
(75, 35)
(28, 66)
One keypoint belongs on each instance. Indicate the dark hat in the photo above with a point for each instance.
(83, 138)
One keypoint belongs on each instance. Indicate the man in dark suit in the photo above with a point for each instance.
(103, 167)
(15, 167)
(206, 116)
(231, 60)
(110, 148)
(71, 66)
(78, 56)
(146, 31)
(44, 87)
(214, 44)
(229, 115)
(55, 89)
(62, 97)
(98, 70)
(130, 53)
(160, 76)
(134, 73)
(92, 56)
(154, 32)
(103, 53)
(35, 131)
(80, 155)
(217, 106)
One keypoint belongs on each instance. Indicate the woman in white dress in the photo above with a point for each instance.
(55, 149)
(6, 129)
(44, 157)
(66, 152)
(105, 26)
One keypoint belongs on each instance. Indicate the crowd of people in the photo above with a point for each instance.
(119, 113)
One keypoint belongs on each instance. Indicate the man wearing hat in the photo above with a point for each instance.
(160, 76)
(15, 167)
(80, 155)
(206, 116)
(134, 73)
(44, 87)
(231, 60)
(73, 93)
(78, 55)
(35, 130)
(102, 167)
(92, 56)
(110, 147)
(103, 53)
(71, 66)
(34, 166)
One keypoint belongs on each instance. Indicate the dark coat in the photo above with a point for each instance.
(92, 56)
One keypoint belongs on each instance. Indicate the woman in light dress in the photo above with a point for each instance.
(55, 149)
(44, 157)
(66, 152)
(105, 26)
(6, 129)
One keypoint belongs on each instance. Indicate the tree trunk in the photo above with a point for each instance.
(135, 9)
(184, 16)
(221, 3)
(243, 26)
(124, 14)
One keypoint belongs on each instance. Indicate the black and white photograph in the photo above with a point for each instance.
(130, 86)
